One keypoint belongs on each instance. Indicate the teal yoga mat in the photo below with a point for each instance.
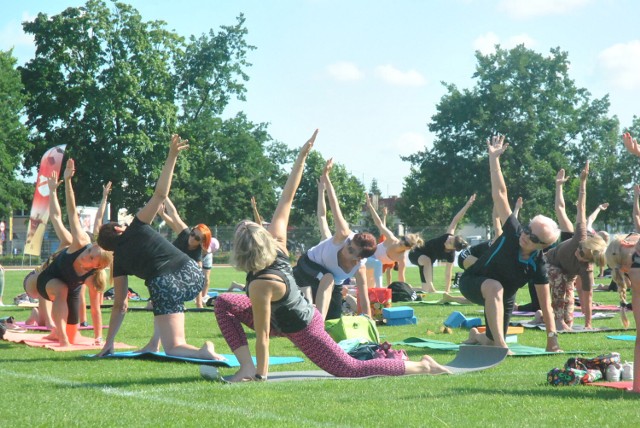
(231, 360)
(625, 337)
(518, 349)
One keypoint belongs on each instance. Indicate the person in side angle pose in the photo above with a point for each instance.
(274, 305)
(170, 275)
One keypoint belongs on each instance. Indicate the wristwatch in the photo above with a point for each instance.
(552, 334)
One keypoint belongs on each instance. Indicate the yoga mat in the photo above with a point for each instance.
(468, 359)
(594, 316)
(44, 328)
(438, 302)
(612, 308)
(231, 360)
(39, 341)
(144, 309)
(517, 349)
(625, 337)
(624, 384)
(580, 329)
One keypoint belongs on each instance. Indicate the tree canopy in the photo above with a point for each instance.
(549, 122)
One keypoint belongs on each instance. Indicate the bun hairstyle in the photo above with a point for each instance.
(366, 242)
(206, 235)
(459, 243)
(411, 240)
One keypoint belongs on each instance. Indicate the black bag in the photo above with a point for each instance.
(402, 292)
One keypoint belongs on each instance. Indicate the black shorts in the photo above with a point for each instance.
(308, 274)
(471, 287)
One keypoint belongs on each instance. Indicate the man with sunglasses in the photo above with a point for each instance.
(514, 258)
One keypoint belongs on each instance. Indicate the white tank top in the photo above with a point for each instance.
(381, 254)
(326, 255)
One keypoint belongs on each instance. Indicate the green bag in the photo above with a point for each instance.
(353, 327)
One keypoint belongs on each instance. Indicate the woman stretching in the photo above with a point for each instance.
(193, 242)
(274, 305)
(62, 278)
(444, 248)
(325, 267)
(171, 276)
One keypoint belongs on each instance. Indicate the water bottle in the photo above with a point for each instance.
(612, 373)
(627, 371)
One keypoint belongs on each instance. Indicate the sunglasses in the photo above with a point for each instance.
(532, 237)
(195, 236)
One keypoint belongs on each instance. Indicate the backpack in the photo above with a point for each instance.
(402, 292)
(353, 327)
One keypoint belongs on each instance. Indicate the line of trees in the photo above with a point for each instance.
(114, 87)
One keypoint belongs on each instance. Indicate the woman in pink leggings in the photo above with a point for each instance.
(274, 305)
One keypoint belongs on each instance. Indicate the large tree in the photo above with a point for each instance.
(549, 122)
(13, 143)
(114, 87)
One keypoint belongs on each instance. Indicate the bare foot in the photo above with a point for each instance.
(243, 375)
(473, 337)
(537, 318)
(432, 367)
(447, 298)
(235, 286)
(149, 348)
(208, 352)
(429, 288)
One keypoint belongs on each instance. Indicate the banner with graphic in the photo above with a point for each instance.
(51, 161)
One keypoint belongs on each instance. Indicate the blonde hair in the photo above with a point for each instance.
(597, 246)
(615, 258)
(412, 240)
(100, 279)
(254, 248)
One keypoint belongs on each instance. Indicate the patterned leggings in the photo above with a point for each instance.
(562, 286)
(233, 310)
(169, 292)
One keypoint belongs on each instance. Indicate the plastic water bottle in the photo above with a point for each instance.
(627, 371)
(612, 373)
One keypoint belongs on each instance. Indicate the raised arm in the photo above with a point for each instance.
(55, 214)
(376, 219)
(106, 189)
(496, 147)
(592, 217)
(631, 144)
(342, 227)
(280, 219)
(170, 215)
(456, 219)
(163, 185)
(636, 207)
(254, 208)
(517, 206)
(80, 237)
(321, 212)
(497, 224)
(565, 224)
(582, 196)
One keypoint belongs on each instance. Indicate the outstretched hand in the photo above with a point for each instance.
(309, 144)
(631, 144)
(177, 145)
(519, 203)
(53, 182)
(585, 172)
(254, 204)
(561, 178)
(496, 145)
(106, 189)
(70, 169)
(471, 200)
(327, 167)
(603, 207)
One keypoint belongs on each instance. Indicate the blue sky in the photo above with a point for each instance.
(368, 72)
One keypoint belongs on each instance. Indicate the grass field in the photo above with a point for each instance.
(45, 388)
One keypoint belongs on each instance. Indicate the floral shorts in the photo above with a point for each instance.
(169, 292)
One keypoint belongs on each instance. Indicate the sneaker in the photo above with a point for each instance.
(212, 373)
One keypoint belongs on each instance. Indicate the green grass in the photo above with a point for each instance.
(46, 388)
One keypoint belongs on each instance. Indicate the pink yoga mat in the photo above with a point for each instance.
(43, 328)
(624, 384)
(39, 341)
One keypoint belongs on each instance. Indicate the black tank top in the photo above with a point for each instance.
(62, 268)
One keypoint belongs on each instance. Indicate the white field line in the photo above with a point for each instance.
(155, 397)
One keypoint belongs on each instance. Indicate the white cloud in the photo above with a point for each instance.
(392, 75)
(409, 143)
(344, 71)
(523, 9)
(486, 42)
(621, 63)
(13, 36)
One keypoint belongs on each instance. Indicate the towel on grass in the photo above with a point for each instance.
(39, 341)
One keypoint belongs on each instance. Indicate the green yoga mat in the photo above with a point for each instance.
(518, 349)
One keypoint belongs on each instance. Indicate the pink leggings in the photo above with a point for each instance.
(233, 310)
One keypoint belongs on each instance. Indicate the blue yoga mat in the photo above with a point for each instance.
(626, 337)
(231, 360)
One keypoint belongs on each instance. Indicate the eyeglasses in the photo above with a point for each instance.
(195, 236)
(532, 237)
